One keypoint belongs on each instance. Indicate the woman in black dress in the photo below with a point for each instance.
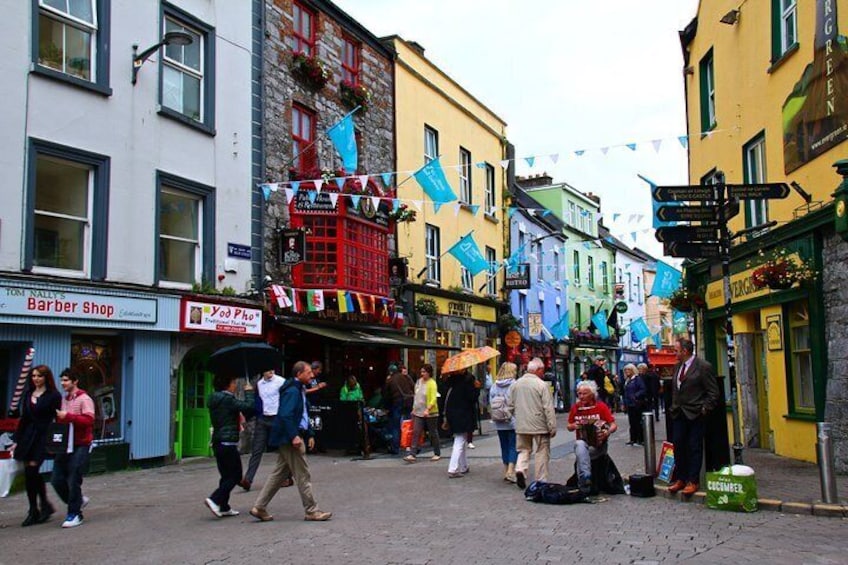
(38, 410)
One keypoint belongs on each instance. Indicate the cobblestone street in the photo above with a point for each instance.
(386, 511)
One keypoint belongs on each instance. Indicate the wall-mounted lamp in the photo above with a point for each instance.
(170, 38)
(730, 17)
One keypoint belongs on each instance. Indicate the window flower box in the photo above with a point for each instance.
(309, 70)
(353, 95)
(781, 271)
(683, 300)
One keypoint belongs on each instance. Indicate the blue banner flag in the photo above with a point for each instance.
(562, 327)
(657, 337)
(432, 179)
(343, 138)
(468, 254)
(666, 281)
(679, 322)
(600, 321)
(639, 329)
(657, 222)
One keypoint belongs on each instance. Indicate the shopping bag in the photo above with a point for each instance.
(8, 469)
(406, 433)
(726, 491)
(60, 438)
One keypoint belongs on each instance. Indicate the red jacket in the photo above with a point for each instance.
(80, 409)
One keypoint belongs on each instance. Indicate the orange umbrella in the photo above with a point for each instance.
(468, 358)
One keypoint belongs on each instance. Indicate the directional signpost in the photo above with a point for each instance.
(717, 203)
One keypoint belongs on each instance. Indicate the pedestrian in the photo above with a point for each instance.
(695, 394)
(351, 391)
(316, 385)
(502, 417)
(460, 411)
(398, 393)
(68, 468)
(224, 412)
(39, 404)
(425, 412)
(598, 373)
(266, 400)
(535, 422)
(593, 423)
(635, 393)
(291, 436)
(652, 383)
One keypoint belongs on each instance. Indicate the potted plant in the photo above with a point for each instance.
(309, 70)
(684, 300)
(403, 214)
(781, 271)
(353, 95)
(426, 307)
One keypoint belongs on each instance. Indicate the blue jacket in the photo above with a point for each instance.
(635, 392)
(287, 423)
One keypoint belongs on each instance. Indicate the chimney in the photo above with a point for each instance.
(534, 181)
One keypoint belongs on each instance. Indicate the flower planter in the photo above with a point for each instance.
(780, 285)
(309, 70)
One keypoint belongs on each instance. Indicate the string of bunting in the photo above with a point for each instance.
(300, 300)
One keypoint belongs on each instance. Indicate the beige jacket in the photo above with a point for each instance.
(533, 406)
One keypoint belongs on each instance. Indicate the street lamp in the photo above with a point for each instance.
(170, 38)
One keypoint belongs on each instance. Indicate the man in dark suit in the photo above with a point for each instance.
(695, 393)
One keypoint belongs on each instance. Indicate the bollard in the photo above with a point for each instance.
(650, 443)
(824, 454)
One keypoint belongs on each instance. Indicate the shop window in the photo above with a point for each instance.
(784, 27)
(431, 144)
(187, 86)
(67, 201)
(801, 362)
(492, 273)
(708, 93)
(443, 337)
(303, 32)
(350, 60)
(97, 362)
(186, 231)
(466, 340)
(490, 191)
(70, 42)
(465, 195)
(304, 152)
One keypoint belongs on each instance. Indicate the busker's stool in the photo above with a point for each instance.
(642, 485)
(605, 476)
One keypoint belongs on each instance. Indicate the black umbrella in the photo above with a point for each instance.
(245, 359)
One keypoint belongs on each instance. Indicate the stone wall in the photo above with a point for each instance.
(281, 88)
(835, 286)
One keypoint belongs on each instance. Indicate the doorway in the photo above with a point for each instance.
(195, 386)
(761, 374)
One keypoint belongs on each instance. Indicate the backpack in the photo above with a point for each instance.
(499, 408)
(553, 493)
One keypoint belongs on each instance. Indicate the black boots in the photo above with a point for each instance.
(33, 517)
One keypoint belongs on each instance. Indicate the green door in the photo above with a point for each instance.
(196, 388)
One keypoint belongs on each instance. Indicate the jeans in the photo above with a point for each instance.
(508, 452)
(261, 430)
(68, 469)
(229, 467)
(396, 414)
(458, 461)
(525, 444)
(688, 448)
(585, 455)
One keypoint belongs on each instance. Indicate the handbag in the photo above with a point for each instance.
(60, 438)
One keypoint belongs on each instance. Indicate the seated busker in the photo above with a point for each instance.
(593, 423)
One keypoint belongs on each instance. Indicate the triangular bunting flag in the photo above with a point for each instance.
(656, 143)
(631, 146)
(334, 197)
(505, 163)
(354, 200)
(395, 204)
(530, 161)
(684, 141)
(480, 165)
(375, 202)
(456, 208)
(554, 158)
(474, 208)
(418, 204)
(266, 191)
(340, 181)
(436, 207)
(295, 184)
(580, 152)
(319, 184)
(289, 195)
(604, 150)
(363, 181)
(312, 195)
(387, 179)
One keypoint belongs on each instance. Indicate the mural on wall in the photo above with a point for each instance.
(815, 114)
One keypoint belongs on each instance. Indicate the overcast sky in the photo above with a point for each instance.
(566, 76)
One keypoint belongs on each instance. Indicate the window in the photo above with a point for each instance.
(490, 190)
(466, 340)
(640, 296)
(590, 273)
(492, 278)
(443, 337)
(186, 231)
(303, 34)
(320, 270)
(581, 216)
(557, 274)
(629, 287)
(432, 253)
(578, 315)
(576, 269)
(97, 361)
(431, 144)
(351, 51)
(465, 176)
(70, 42)
(467, 279)
(366, 257)
(67, 206)
(784, 27)
(604, 278)
(187, 88)
(710, 178)
(522, 309)
(304, 152)
(708, 110)
(539, 254)
(754, 153)
(801, 387)
(572, 214)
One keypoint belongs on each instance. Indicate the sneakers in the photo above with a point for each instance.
(229, 512)
(261, 514)
(318, 516)
(520, 480)
(244, 484)
(471, 445)
(410, 458)
(72, 521)
(436, 458)
(455, 475)
(214, 508)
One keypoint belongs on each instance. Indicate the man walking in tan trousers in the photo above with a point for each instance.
(535, 422)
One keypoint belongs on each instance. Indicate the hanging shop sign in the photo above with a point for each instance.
(197, 316)
(23, 301)
(534, 324)
(292, 247)
(518, 278)
(774, 332)
(621, 307)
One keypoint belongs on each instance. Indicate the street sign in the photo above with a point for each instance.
(696, 213)
(684, 193)
(687, 233)
(758, 191)
(704, 250)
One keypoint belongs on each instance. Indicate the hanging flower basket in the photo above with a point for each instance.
(309, 70)
(426, 307)
(781, 271)
(683, 300)
(403, 214)
(353, 95)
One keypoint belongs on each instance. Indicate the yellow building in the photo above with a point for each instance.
(437, 118)
(767, 102)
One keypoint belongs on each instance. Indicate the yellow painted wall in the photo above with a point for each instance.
(426, 96)
(749, 99)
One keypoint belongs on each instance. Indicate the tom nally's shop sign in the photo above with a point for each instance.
(22, 301)
(220, 318)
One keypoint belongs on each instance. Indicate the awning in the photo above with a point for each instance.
(374, 338)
